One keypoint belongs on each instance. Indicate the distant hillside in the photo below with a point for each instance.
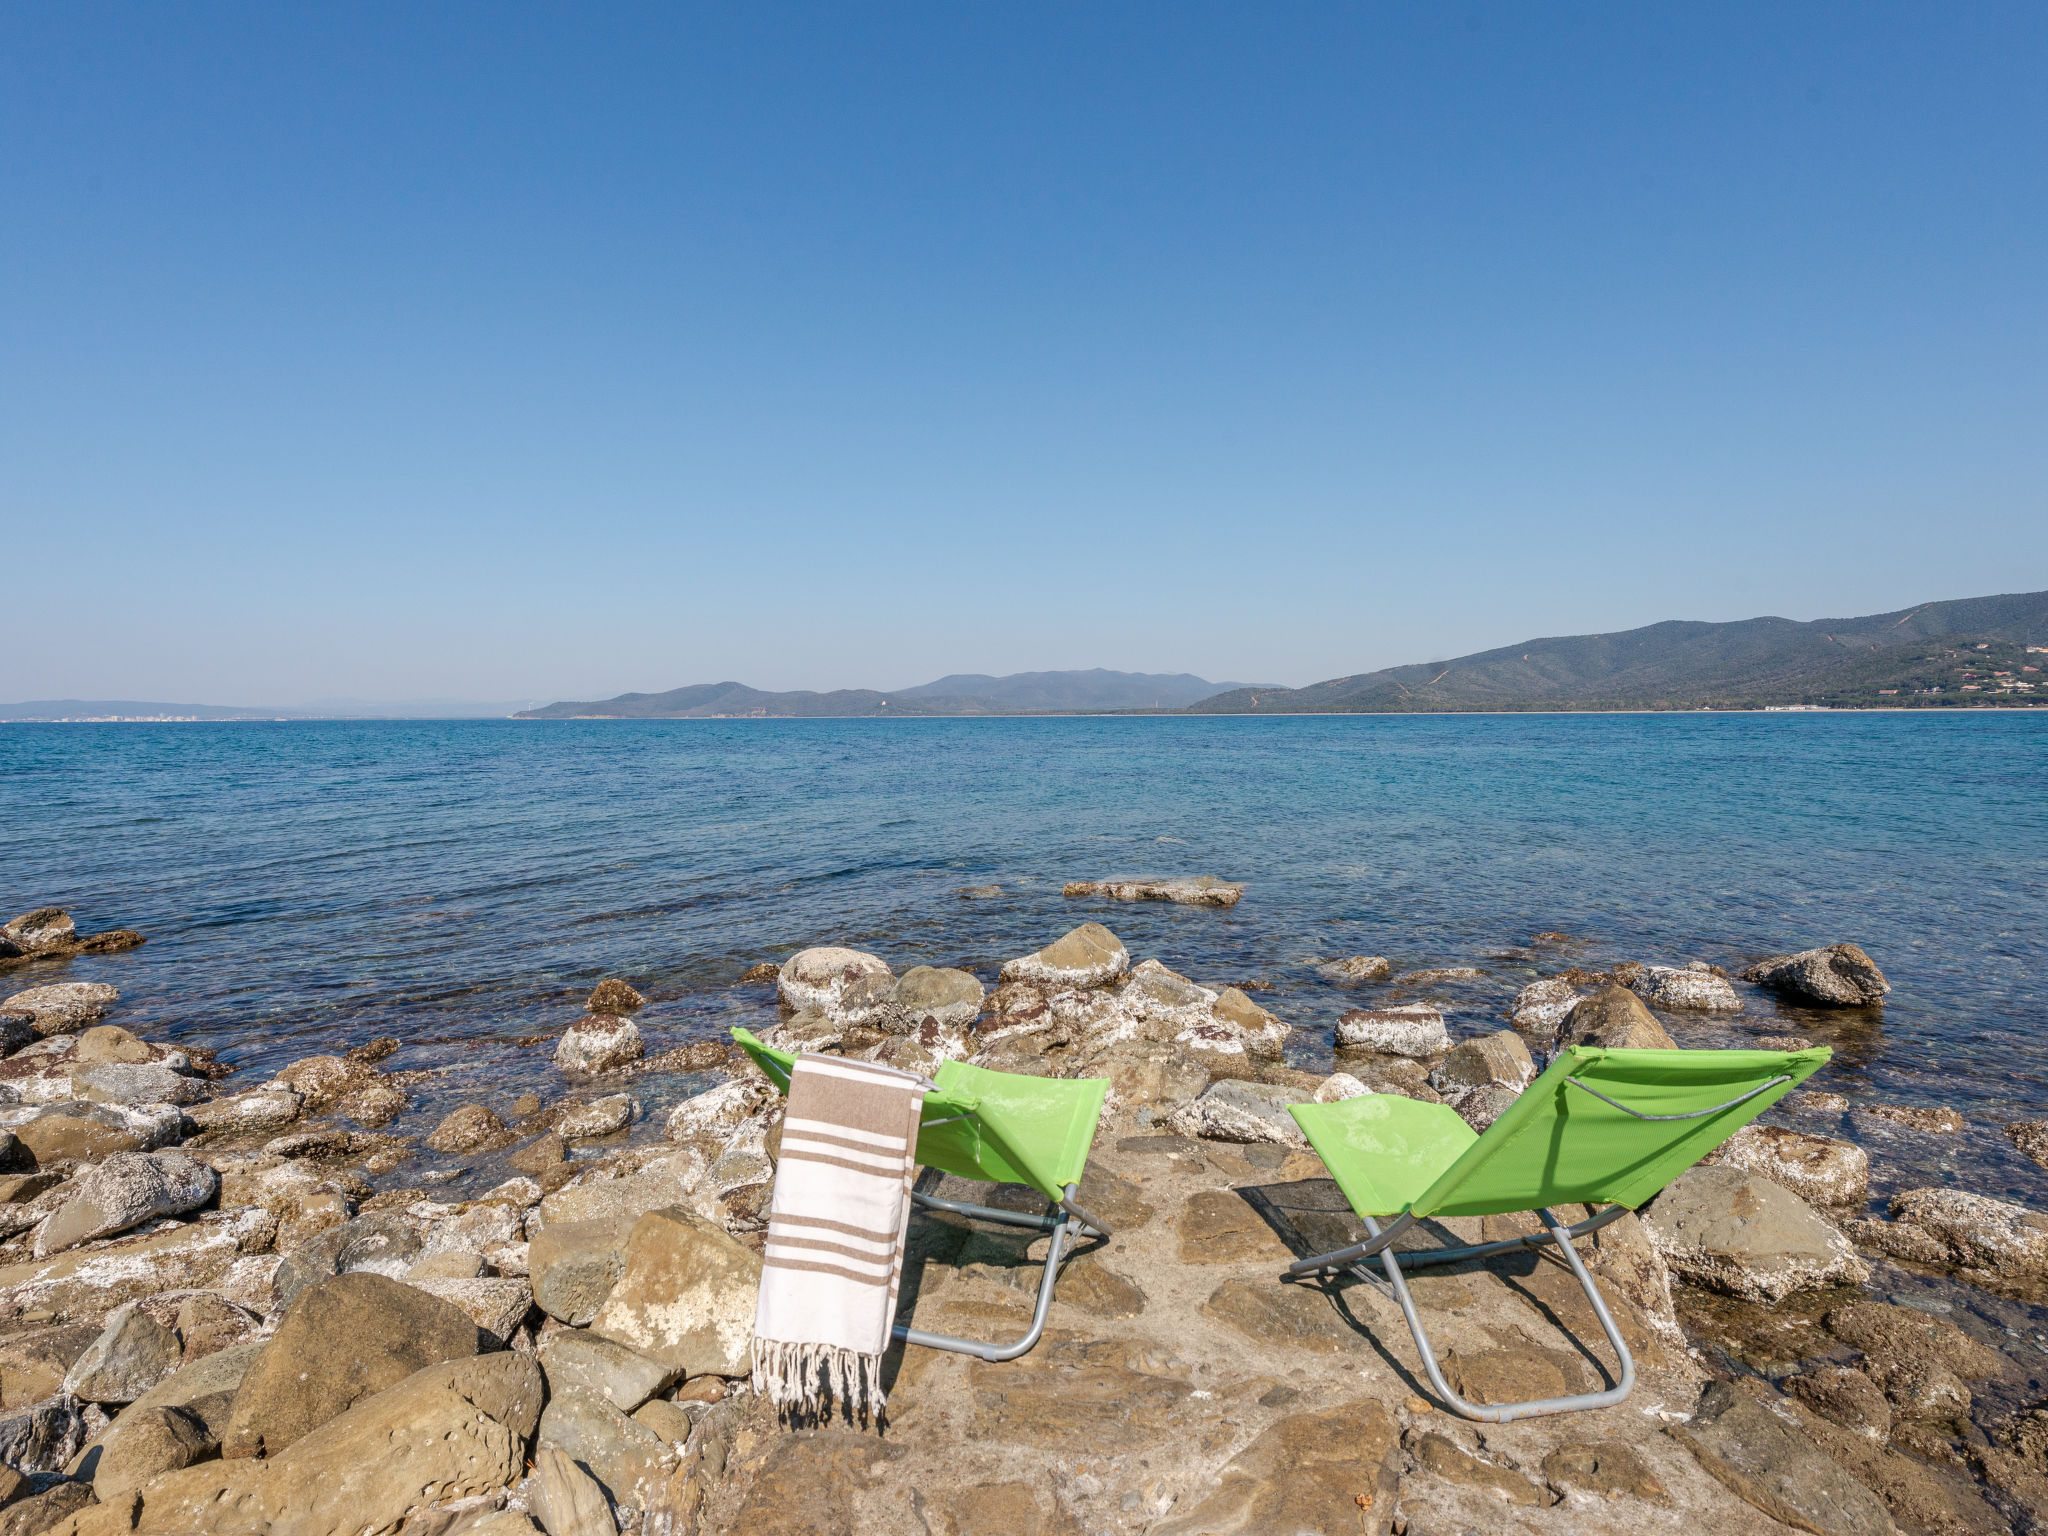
(961, 694)
(1943, 654)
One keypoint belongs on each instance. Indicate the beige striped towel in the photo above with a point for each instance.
(835, 1233)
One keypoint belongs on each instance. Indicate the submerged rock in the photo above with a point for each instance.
(1929, 1119)
(613, 996)
(1835, 976)
(598, 1043)
(1734, 1231)
(1357, 968)
(1762, 1458)
(1190, 891)
(1088, 956)
(1406, 1029)
(1438, 975)
(1695, 986)
(2031, 1137)
(818, 978)
(472, 1128)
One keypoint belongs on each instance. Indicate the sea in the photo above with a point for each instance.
(461, 885)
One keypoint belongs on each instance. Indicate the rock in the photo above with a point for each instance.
(1733, 1231)
(629, 1186)
(1760, 1457)
(566, 1499)
(1280, 1316)
(270, 1108)
(1836, 976)
(579, 1361)
(1339, 1086)
(1263, 1034)
(373, 1105)
(540, 1154)
(1218, 1226)
(496, 1304)
(323, 1081)
(686, 1295)
(91, 1281)
(109, 1043)
(1929, 1119)
(575, 1264)
(1815, 1168)
(1440, 974)
(1614, 1016)
(1149, 1072)
(1331, 1471)
(141, 1446)
(1241, 1112)
(1818, 1102)
(1406, 1029)
(208, 1323)
(1357, 968)
(614, 997)
(712, 1116)
(2031, 1137)
(600, 1117)
(46, 1511)
(1976, 1231)
(64, 1007)
(1499, 1059)
(17, 1029)
(1195, 891)
(1605, 1469)
(448, 1432)
(629, 1460)
(819, 978)
(42, 1437)
(455, 1264)
(79, 1132)
(671, 1420)
(1089, 956)
(33, 1364)
(1480, 1107)
(132, 1354)
(1441, 1458)
(125, 1083)
(951, 997)
(341, 1341)
(43, 931)
(126, 1190)
(1844, 1395)
(1539, 1009)
(472, 1128)
(1695, 986)
(598, 1043)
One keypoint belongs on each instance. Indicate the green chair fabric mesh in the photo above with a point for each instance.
(999, 1126)
(1556, 1144)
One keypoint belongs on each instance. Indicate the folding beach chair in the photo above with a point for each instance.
(1005, 1128)
(1598, 1127)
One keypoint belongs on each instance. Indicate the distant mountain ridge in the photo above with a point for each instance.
(1935, 655)
(958, 694)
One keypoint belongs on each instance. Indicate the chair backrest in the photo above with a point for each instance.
(1003, 1127)
(1604, 1126)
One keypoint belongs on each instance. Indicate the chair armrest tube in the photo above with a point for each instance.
(985, 1212)
(1093, 1222)
(1345, 1257)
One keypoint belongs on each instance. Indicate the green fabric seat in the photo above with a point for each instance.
(1598, 1126)
(1004, 1128)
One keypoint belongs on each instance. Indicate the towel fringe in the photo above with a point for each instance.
(806, 1376)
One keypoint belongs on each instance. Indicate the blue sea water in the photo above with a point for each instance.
(461, 885)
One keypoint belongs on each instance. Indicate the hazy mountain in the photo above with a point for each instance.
(1911, 657)
(960, 694)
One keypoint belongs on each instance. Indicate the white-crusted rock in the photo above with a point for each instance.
(1089, 956)
(819, 978)
(1406, 1029)
(1694, 986)
(1240, 1111)
(64, 1007)
(1815, 1168)
(598, 1042)
(1834, 976)
(126, 1190)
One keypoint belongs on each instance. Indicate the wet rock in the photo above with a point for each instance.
(598, 1043)
(1977, 1232)
(340, 1342)
(685, 1297)
(1929, 1119)
(144, 1444)
(949, 996)
(1437, 976)
(1697, 986)
(754, 975)
(1614, 1016)
(600, 1117)
(1816, 1101)
(497, 1304)
(1324, 1472)
(1888, 1333)
(126, 1190)
(46, 930)
(1539, 1009)
(1836, 976)
(92, 1280)
(1406, 1029)
(1846, 1396)
(1193, 891)
(540, 1154)
(132, 1354)
(1089, 956)
(1498, 1059)
(42, 1437)
(819, 978)
(1240, 1112)
(1815, 1168)
(1760, 1457)
(1733, 1231)
(577, 1361)
(373, 1104)
(2031, 1137)
(1439, 1457)
(123, 1083)
(269, 1108)
(1602, 1469)
(614, 997)
(64, 1007)
(1355, 969)
(472, 1128)
(566, 1499)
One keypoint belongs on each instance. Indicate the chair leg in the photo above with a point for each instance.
(1503, 1413)
(1061, 1229)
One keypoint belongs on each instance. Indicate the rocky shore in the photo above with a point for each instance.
(239, 1307)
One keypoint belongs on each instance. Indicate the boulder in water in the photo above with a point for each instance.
(1089, 956)
(1190, 891)
(598, 1043)
(1833, 976)
(1696, 986)
(818, 978)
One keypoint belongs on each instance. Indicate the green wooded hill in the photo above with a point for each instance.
(1968, 652)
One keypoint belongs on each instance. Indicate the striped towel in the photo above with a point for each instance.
(835, 1233)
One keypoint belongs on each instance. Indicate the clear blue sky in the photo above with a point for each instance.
(505, 351)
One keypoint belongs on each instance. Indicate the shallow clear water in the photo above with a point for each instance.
(462, 884)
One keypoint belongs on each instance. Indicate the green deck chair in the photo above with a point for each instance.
(1005, 1128)
(1598, 1127)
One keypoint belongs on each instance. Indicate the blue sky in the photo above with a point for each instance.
(507, 351)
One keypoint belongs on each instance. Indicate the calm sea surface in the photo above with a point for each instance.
(463, 884)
